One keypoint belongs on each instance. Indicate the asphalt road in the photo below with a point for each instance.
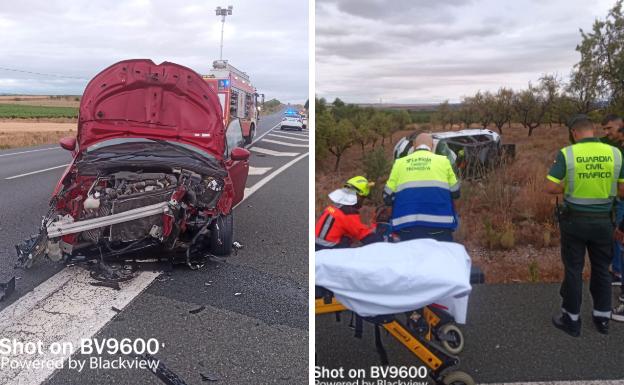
(509, 339)
(254, 324)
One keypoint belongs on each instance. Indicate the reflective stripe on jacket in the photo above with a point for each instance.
(421, 185)
(592, 172)
(336, 223)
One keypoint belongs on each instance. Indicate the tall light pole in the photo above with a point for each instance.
(223, 12)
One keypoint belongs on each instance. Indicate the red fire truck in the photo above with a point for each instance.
(237, 95)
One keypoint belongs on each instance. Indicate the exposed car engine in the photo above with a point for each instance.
(125, 210)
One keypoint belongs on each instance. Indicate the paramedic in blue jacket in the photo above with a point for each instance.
(421, 189)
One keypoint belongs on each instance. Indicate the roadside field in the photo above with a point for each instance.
(22, 133)
(16, 111)
(506, 220)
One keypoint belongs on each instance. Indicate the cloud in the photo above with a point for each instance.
(81, 38)
(430, 50)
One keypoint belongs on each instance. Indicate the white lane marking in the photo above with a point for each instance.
(290, 133)
(37, 172)
(273, 153)
(258, 170)
(284, 143)
(262, 136)
(287, 137)
(592, 382)
(254, 188)
(66, 308)
(29, 151)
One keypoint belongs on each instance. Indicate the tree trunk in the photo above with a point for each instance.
(500, 128)
(337, 162)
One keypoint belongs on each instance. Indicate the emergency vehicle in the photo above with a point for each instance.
(237, 95)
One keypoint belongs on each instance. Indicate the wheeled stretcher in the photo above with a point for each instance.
(421, 342)
(381, 282)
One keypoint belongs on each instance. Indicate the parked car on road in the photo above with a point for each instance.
(291, 123)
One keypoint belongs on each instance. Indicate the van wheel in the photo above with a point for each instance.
(221, 235)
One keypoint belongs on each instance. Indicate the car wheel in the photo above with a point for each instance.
(221, 235)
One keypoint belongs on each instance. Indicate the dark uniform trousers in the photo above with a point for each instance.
(594, 233)
(420, 232)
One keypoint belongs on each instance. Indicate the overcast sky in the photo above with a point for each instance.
(422, 51)
(266, 39)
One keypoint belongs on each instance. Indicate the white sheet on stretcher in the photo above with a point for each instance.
(389, 278)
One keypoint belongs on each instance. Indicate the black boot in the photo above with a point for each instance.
(565, 323)
(602, 324)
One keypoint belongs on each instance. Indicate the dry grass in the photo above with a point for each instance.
(28, 133)
(28, 139)
(506, 220)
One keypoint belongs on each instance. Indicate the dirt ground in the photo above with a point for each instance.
(509, 203)
(41, 100)
(30, 132)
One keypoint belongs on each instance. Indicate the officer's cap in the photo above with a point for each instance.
(579, 121)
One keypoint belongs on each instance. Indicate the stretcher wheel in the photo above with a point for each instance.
(454, 346)
(458, 378)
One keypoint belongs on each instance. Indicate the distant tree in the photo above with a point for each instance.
(444, 115)
(467, 113)
(550, 86)
(530, 108)
(399, 120)
(338, 138)
(320, 105)
(566, 107)
(483, 106)
(604, 46)
(584, 87)
(502, 108)
(338, 103)
(324, 124)
(362, 133)
(381, 124)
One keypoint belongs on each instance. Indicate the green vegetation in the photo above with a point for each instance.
(271, 106)
(340, 126)
(12, 111)
(421, 116)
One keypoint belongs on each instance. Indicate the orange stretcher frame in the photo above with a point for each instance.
(419, 346)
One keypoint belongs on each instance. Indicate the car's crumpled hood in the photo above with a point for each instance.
(137, 98)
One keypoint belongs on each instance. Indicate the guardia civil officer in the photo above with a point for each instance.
(421, 189)
(589, 174)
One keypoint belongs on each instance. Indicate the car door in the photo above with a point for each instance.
(238, 169)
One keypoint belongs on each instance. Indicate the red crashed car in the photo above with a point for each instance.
(153, 165)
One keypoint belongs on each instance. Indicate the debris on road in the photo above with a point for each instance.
(7, 287)
(110, 285)
(197, 310)
(237, 294)
(161, 371)
(208, 377)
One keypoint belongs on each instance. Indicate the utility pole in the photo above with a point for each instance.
(223, 12)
